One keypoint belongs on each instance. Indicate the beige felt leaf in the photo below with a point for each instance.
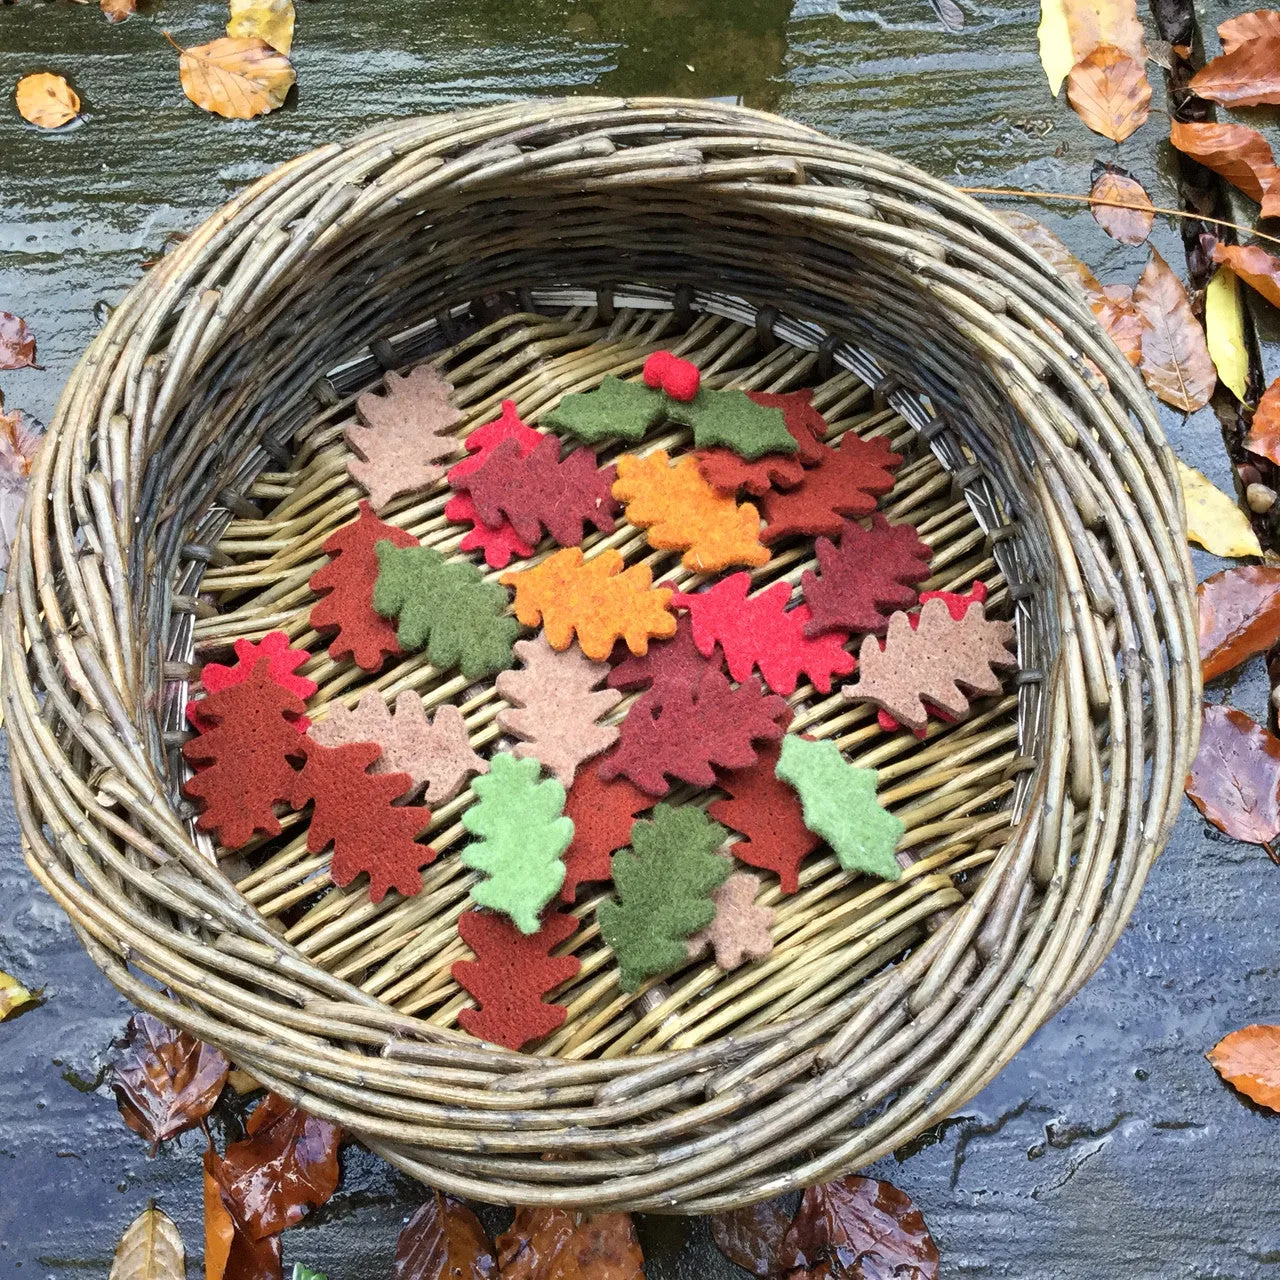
(1224, 330)
(1110, 92)
(1213, 519)
(269, 20)
(238, 78)
(46, 100)
(150, 1249)
(1175, 356)
(740, 930)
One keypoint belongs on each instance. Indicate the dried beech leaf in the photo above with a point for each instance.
(1235, 778)
(444, 1241)
(1254, 265)
(238, 78)
(269, 20)
(1122, 208)
(1053, 251)
(17, 343)
(150, 1249)
(118, 10)
(1214, 520)
(751, 1238)
(1240, 154)
(564, 1244)
(1264, 434)
(1261, 24)
(1248, 76)
(1109, 91)
(229, 1252)
(1123, 323)
(1224, 331)
(1249, 1060)
(14, 997)
(1072, 29)
(1239, 616)
(46, 100)
(1175, 357)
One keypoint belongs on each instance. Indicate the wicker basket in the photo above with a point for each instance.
(528, 249)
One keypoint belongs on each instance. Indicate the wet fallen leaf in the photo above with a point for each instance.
(1121, 207)
(860, 1227)
(563, 1244)
(229, 1253)
(1110, 92)
(46, 100)
(238, 78)
(1248, 76)
(1249, 1060)
(1236, 152)
(17, 450)
(269, 20)
(165, 1081)
(1254, 265)
(1053, 251)
(286, 1165)
(1239, 616)
(1261, 24)
(1214, 520)
(150, 1249)
(444, 1239)
(1235, 778)
(17, 343)
(1175, 357)
(1224, 331)
(1070, 30)
(118, 10)
(1264, 434)
(303, 1272)
(1121, 320)
(752, 1237)
(14, 997)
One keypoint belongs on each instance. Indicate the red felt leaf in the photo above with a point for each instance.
(356, 811)
(683, 731)
(250, 737)
(846, 482)
(346, 588)
(768, 812)
(603, 814)
(758, 631)
(511, 974)
(1239, 616)
(534, 490)
(283, 669)
(729, 472)
(676, 661)
(1235, 779)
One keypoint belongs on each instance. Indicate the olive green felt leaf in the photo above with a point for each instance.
(523, 836)
(445, 607)
(733, 419)
(839, 802)
(615, 410)
(665, 882)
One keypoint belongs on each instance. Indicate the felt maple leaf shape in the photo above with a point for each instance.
(499, 542)
(683, 732)
(677, 661)
(681, 511)
(597, 599)
(936, 659)
(759, 631)
(728, 472)
(870, 574)
(556, 706)
(405, 435)
(510, 975)
(846, 482)
(602, 814)
(345, 587)
(249, 740)
(435, 754)
(355, 811)
(282, 665)
(740, 930)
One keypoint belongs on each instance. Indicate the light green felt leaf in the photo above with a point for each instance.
(445, 607)
(614, 410)
(665, 881)
(733, 419)
(523, 835)
(840, 805)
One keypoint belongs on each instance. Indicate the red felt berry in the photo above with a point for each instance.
(681, 379)
(655, 367)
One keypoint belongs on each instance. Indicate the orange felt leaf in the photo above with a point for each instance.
(1121, 207)
(1264, 434)
(1109, 91)
(1249, 1059)
(684, 512)
(1254, 265)
(1240, 154)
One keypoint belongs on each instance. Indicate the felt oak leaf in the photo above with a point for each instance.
(681, 511)
(406, 434)
(510, 975)
(596, 598)
(806, 426)
(603, 814)
(615, 410)
(677, 661)
(282, 666)
(740, 930)
(840, 805)
(523, 834)
(736, 421)
(445, 607)
(556, 707)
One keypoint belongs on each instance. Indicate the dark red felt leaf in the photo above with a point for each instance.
(250, 739)
(1235, 780)
(729, 472)
(767, 811)
(685, 731)
(355, 811)
(860, 1227)
(672, 662)
(568, 1244)
(1239, 616)
(537, 490)
(286, 1165)
(283, 660)
(444, 1240)
(346, 588)
(603, 814)
(510, 975)
(759, 631)
(165, 1081)
(846, 482)
(751, 1238)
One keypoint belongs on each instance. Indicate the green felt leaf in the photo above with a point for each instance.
(523, 835)
(446, 608)
(614, 410)
(733, 419)
(665, 881)
(839, 803)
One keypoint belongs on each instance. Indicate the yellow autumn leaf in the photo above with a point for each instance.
(1224, 329)
(238, 78)
(46, 100)
(14, 997)
(1214, 520)
(269, 20)
(1056, 55)
(150, 1249)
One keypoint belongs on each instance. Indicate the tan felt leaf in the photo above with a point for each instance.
(1109, 91)
(1175, 356)
(740, 930)
(1240, 154)
(46, 100)
(1122, 208)
(269, 20)
(236, 77)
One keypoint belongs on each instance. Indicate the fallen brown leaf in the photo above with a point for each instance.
(118, 10)
(1248, 76)
(150, 1249)
(17, 450)
(1261, 24)
(752, 1237)
(564, 1244)
(1109, 91)
(1239, 616)
(1121, 207)
(1264, 434)
(1119, 317)
(237, 78)
(1249, 1060)
(1254, 265)
(1240, 154)
(17, 343)
(1071, 29)
(1053, 251)
(269, 20)
(1235, 779)
(229, 1253)
(1175, 360)
(46, 100)
(444, 1239)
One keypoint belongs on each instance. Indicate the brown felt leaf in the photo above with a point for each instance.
(1109, 91)
(1239, 616)
(751, 1238)
(46, 101)
(236, 77)
(444, 1240)
(566, 1244)
(1121, 207)
(1240, 154)
(1175, 356)
(17, 343)
(1235, 779)
(1249, 1060)
(740, 930)
(1264, 434)
(1248, 76)
(1122, 321)
(1253, 264)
